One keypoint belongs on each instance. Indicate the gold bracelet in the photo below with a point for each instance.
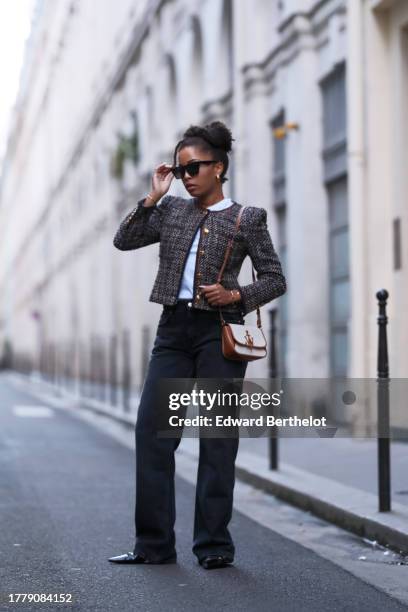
(149, 196)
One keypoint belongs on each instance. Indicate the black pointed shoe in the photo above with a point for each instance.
(128, 558)
(214, 561)
(132, 558)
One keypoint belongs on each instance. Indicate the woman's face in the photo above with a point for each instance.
(205, 181)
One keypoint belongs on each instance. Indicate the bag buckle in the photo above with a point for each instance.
(249, 340)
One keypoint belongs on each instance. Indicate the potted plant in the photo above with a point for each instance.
(127, 148)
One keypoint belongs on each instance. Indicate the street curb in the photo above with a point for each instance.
(389, 529)
(347, 507)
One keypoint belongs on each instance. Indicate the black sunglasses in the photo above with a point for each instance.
(192, 168)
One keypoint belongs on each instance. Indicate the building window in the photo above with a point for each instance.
(279, 160)
(339, 276)
(279, 199)
(334, 108)
(396, 234)
(283, 299)
(333, 89)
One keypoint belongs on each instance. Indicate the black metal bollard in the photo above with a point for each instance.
(113, 369)
(126, 372)
(273, 369)
(383, 408)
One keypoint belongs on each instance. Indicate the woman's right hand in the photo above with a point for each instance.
(161, 180)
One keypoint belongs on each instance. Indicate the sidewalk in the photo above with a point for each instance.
(335, 479)
(349, 507)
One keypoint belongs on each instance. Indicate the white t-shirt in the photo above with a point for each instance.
(186, 287)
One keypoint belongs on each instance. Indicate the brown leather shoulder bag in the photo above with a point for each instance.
(241, 342)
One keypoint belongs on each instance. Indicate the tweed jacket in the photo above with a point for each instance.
(173, 223)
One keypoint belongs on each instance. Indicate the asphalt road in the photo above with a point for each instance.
(66, 505)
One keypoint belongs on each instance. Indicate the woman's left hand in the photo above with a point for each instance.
(216, 294)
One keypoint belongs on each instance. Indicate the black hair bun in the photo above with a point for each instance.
(216, 133)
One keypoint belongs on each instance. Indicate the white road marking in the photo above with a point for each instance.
(33, 411)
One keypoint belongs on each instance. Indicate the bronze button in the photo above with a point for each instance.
(206, 230)
(198, 273)
(202, 252)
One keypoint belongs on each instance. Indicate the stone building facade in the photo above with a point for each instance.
(314, 93)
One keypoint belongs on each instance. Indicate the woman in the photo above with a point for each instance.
(193, 235)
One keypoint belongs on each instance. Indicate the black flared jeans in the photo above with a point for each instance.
(187, 346)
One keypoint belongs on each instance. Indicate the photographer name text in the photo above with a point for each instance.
(259, 421)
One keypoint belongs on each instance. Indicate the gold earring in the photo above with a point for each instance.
(218, 176)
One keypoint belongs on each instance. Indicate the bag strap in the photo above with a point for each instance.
(226, 256)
